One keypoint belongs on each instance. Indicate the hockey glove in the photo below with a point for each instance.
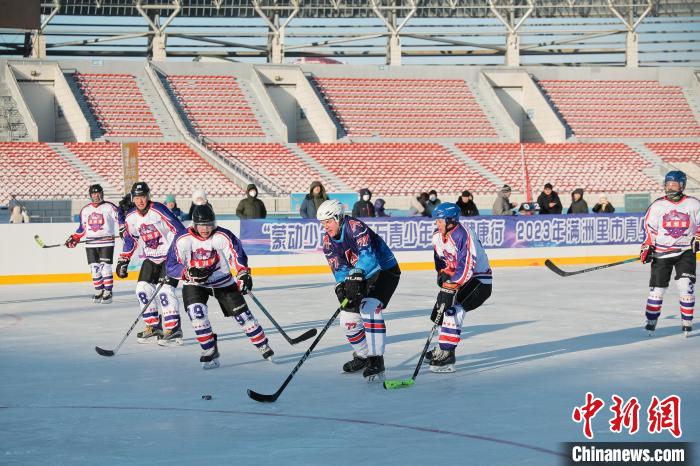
(72, 241)
(122, 267)
(445, 300)
(196, 275)
(442, 278)
(122, 231)
(340, 292)
(646, 253)
(245, 281)
(695, 243)
(355, 287)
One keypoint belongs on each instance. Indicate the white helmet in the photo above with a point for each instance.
(331, 208)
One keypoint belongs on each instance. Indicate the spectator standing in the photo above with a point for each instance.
(379, 208)
(578, 205)
(466, 205)
(549, 201)
(199, 197)
(317, 196)
(251, 207)
(603, 206)
(364, 207)
(171, 204)
(502, 204)
(418, 205)
(433, 201)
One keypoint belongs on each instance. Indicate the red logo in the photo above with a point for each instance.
(626, 416)
(351, 257)
(350, 325)
(665, 415)
(587, 412)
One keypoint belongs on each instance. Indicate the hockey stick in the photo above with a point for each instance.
(562, 273)
(104, 352)
(41, 243)
(292, 341)
(272, 398)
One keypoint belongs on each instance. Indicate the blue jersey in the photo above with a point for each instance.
(460, 255)
(357, 248)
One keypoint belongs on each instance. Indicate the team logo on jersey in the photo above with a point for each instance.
(362, 240)
(675, 223)
(150, 235)
(204, 258)
(351, 257)
(350, 325)
(355, 225)
(95, 221)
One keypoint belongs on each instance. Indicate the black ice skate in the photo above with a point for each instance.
(355, 365)
(171, 337)
(650, 327)
(687, 327)
(210, 357)
(149, 335)
(266, 352)
(106, 297)
(97, 297)
(428, 356)
(443, 360)
(374, 371)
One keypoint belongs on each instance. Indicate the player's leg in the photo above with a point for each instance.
(195, 300)
(96, 273)
(145, 289)
(233, 305)
(685, 276)
(106, 256)
(351, 322)
(170, 311)
(658, 283)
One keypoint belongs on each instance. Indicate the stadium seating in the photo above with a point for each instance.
(398, 168)
(677, 152)
(167, 167)
(118, 105)
(274, 164)
(629, 109)
(33, 170)
(215, 106)
(405, 108)
(605, 167)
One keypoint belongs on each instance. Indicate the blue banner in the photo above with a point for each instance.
(298, 236)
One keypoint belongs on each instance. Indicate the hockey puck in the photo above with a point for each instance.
(206, 397)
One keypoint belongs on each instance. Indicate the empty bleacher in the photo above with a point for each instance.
(628, 109)
(397, 168)
(215, 106)
(405, 108)
(32, 170)
(168, 168)
(677, 152)
(118, 105)
(274, 164)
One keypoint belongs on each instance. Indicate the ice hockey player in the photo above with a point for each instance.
(672, 227)
(99, 222)
(203, 257)
(366, 273)
(464, 277)
(153, 226)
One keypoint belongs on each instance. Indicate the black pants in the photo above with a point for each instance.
(152, 273)
(229, 298)
(473, 294)
(662, 267)
(103, 254)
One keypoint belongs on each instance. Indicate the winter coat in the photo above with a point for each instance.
(310, 204)
(502, 206)
(379, 208)
(599, 209)
(17, 215)
(430, 206)
(543, 200)
(251, 207)
(580, 206)
(363, 208)
(467, 209)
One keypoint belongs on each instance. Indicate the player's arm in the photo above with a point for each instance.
(74, 238)
(238, 260)
(120, 220)
(466, 259)
(651, 222)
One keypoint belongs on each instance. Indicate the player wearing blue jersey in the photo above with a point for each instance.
(464, 277)
(366, 274)
(203, 256)
(153, 226)
(99, 223)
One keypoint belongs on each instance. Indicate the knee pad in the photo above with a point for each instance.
(243, 316)
(657, 293)
(453, 317)
(167, 300)
(371, 307)
(197, 311)
(144, 291)
(350, 321)
(96, 270)
(106, 270)
(686, 286)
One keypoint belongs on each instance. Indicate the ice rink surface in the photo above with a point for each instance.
(528, 357)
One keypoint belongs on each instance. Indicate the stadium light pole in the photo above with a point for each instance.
(159, 38)
(394, 45)
(276, 46)
(632, 42)
(512, 38)
(38, 38)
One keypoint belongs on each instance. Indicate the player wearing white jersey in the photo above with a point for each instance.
(153, 226)
(203, 257)
(464, 278)
(99, 223)
(672, 227)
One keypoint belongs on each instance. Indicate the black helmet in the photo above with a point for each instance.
(96, 188)
(140, 189)
(203, 215)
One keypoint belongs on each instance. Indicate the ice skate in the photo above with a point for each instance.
(443, 360)
(266, 352)
(97, 297)
(355, 365)
(149, 335)
(171, 337)
(374, 371)
(428, 356)
(210, 357)
(687, 327)
(106, 297)
(650, 327)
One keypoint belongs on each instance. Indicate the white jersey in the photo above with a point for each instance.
(672, 225)
(99, 224)
(155, 230)
(219, 253)
(461, 255)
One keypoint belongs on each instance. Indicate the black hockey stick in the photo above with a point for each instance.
(41, 243)
(562, 273)
(272, 398)
(292, 341)
(104, 352)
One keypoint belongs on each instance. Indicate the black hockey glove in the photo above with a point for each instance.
(355, 287)
(445, 300)
(442, 278)
(340, 292)
(695, 244)
(196, 275)
(245, 282)
(122, 268)
(646, 253)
